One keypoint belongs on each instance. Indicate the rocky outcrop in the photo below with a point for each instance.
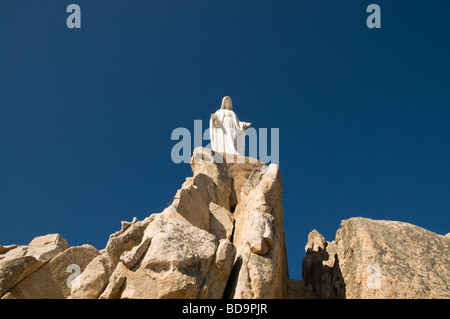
(222, 236)
(51, 280)
(17, 262)
(176, 263)
(260, 270)
(372, 259)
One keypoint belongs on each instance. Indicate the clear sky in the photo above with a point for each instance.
(86, 114)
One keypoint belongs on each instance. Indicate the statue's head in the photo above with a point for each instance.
(226, 104)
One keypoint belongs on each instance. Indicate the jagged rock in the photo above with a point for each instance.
(219, 271)
(131, 257)
(175, 264)
(260, 269)
(19, 262)
(4, 249)
(321, 278)
(116, 281)
(125, 239)
(93, 280)
(185, 252)
(51, 280)
(380, 259)
(260, 238)
(247, 173)
(221, 221)
(212, 176)
(189, 204)
(316, 242)
(47, 246)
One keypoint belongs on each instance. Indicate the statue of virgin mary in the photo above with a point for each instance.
(226, 131)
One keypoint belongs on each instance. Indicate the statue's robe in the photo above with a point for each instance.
(227, 132)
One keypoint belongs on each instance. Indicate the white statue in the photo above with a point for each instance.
(226, 131)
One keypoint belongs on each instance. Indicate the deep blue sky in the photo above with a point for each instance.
(86, 115)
